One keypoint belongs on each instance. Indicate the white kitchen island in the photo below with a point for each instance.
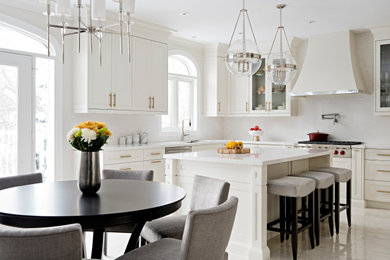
(247, 175)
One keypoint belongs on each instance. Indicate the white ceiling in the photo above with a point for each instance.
(213, 20)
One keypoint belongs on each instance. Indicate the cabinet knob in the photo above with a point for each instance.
(114, 99)
(150, 102)
(153, 102)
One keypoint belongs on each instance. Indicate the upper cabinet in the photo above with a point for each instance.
(118, 85)
(382, 77)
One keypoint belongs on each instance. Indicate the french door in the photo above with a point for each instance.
(16, 114)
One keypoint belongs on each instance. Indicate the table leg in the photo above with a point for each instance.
(132, 244)
(97, 244)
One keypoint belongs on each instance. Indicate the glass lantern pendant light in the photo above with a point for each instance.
(243, 56)
(281, 65)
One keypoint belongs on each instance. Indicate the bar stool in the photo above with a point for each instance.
(324, 181)
(341, 175)
(291, 188)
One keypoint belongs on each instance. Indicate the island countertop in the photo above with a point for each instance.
(257, 157)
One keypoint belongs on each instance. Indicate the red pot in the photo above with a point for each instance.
(317, 136)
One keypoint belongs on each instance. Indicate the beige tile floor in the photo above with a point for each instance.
(368, 238)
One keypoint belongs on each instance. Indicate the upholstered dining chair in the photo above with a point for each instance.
(20, 180)
(146, 175)
(206, 192)
(60, 243)
(206, 236)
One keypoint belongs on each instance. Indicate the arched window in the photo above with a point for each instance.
(27, 116)
(182, 90)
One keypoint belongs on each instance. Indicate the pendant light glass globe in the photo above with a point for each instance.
(281, 66)
(243, 63)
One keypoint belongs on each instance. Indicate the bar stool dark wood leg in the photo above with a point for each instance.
(311, 219)
(288, 217)
(330, 208)
(349, 206)
(282, 214)
(317, 216)
(294, 227)
(337, 207)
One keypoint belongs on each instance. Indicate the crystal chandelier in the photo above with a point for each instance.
(281, 65)
(96, 15)
(243, 56)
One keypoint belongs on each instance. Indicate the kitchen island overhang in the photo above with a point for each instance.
(248, 175)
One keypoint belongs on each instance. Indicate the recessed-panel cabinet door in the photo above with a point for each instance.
(141, 72)
(159, 76)
(222, 88)
(121, 75)
(239, 88)
(99, 76)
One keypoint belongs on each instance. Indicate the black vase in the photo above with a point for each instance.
(89, 176)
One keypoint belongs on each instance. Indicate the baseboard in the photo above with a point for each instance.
(376, 204)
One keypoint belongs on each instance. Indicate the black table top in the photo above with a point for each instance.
(126, 200)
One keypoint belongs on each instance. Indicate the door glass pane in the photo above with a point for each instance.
(8, 120)
(259, 88)
(184, 101)
(278, 97)
(44, 129)
(385, 75)
(166, 119)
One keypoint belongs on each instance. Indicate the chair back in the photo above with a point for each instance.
(207, 232)
(20, 180)
(208, 192)
(60, 243)
(128, 175)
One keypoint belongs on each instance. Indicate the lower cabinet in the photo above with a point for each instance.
(158, 167)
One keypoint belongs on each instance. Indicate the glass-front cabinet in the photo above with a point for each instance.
(266, 97)
(382, 77)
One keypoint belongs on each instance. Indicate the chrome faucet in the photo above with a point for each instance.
(183, 134)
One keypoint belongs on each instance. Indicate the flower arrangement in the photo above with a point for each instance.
(89, 136)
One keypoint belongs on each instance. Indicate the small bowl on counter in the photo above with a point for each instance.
(256, 134)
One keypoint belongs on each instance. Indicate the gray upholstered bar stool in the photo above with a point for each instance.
(289, 189)
(324, 181)
(341, 175)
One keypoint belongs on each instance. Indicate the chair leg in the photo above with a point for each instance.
(294, 228)
(330, 208)
(337, 207)
(105, 244)
(311, 220)
(349, 208)
(323, 201)
(288, 217)
(317, 216)
(282, 215)
(304, 207)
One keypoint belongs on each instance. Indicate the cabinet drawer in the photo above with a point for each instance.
(112, 157)
(378, 154)
(152, 154)
(377, 191)
(377, 170)
(125, 166)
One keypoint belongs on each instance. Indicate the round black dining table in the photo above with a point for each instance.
(118, 202)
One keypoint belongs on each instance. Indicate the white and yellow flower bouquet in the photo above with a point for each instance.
(89, 136)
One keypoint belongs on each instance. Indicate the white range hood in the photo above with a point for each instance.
(330, 66)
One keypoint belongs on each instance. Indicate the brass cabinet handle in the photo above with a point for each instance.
(150, 102)
(246, 106)
(153, 102)
(269, 107)
(383, 191)
(219, 106)
(124, 169)
(157, 162)
(110, 99)
(155, 153)
(114, 99)
(266, 106)
(382, 154)
(125, 156)
(383, 171)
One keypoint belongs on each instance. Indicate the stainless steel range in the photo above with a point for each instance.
(341, 149)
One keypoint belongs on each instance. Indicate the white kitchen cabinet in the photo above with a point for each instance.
(150, 75)
(158, 168)
(382, 77)
(239, 94)
(216, 82)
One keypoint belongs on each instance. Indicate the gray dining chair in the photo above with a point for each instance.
(60, 243)
(206, 193)
(20, 180)
(206, 236)
(146, 175)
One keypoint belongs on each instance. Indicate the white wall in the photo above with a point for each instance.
(357, 122)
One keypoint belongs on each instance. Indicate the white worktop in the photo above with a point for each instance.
(161, 145)
(262, 156)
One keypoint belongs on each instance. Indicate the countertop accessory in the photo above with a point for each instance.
(136, 139)
(129, 139)
(234, 151)
(318, 136)
(122, 140)
(256, 135)
(144, 138)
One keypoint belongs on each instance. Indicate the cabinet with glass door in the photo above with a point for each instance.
(382, 77)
